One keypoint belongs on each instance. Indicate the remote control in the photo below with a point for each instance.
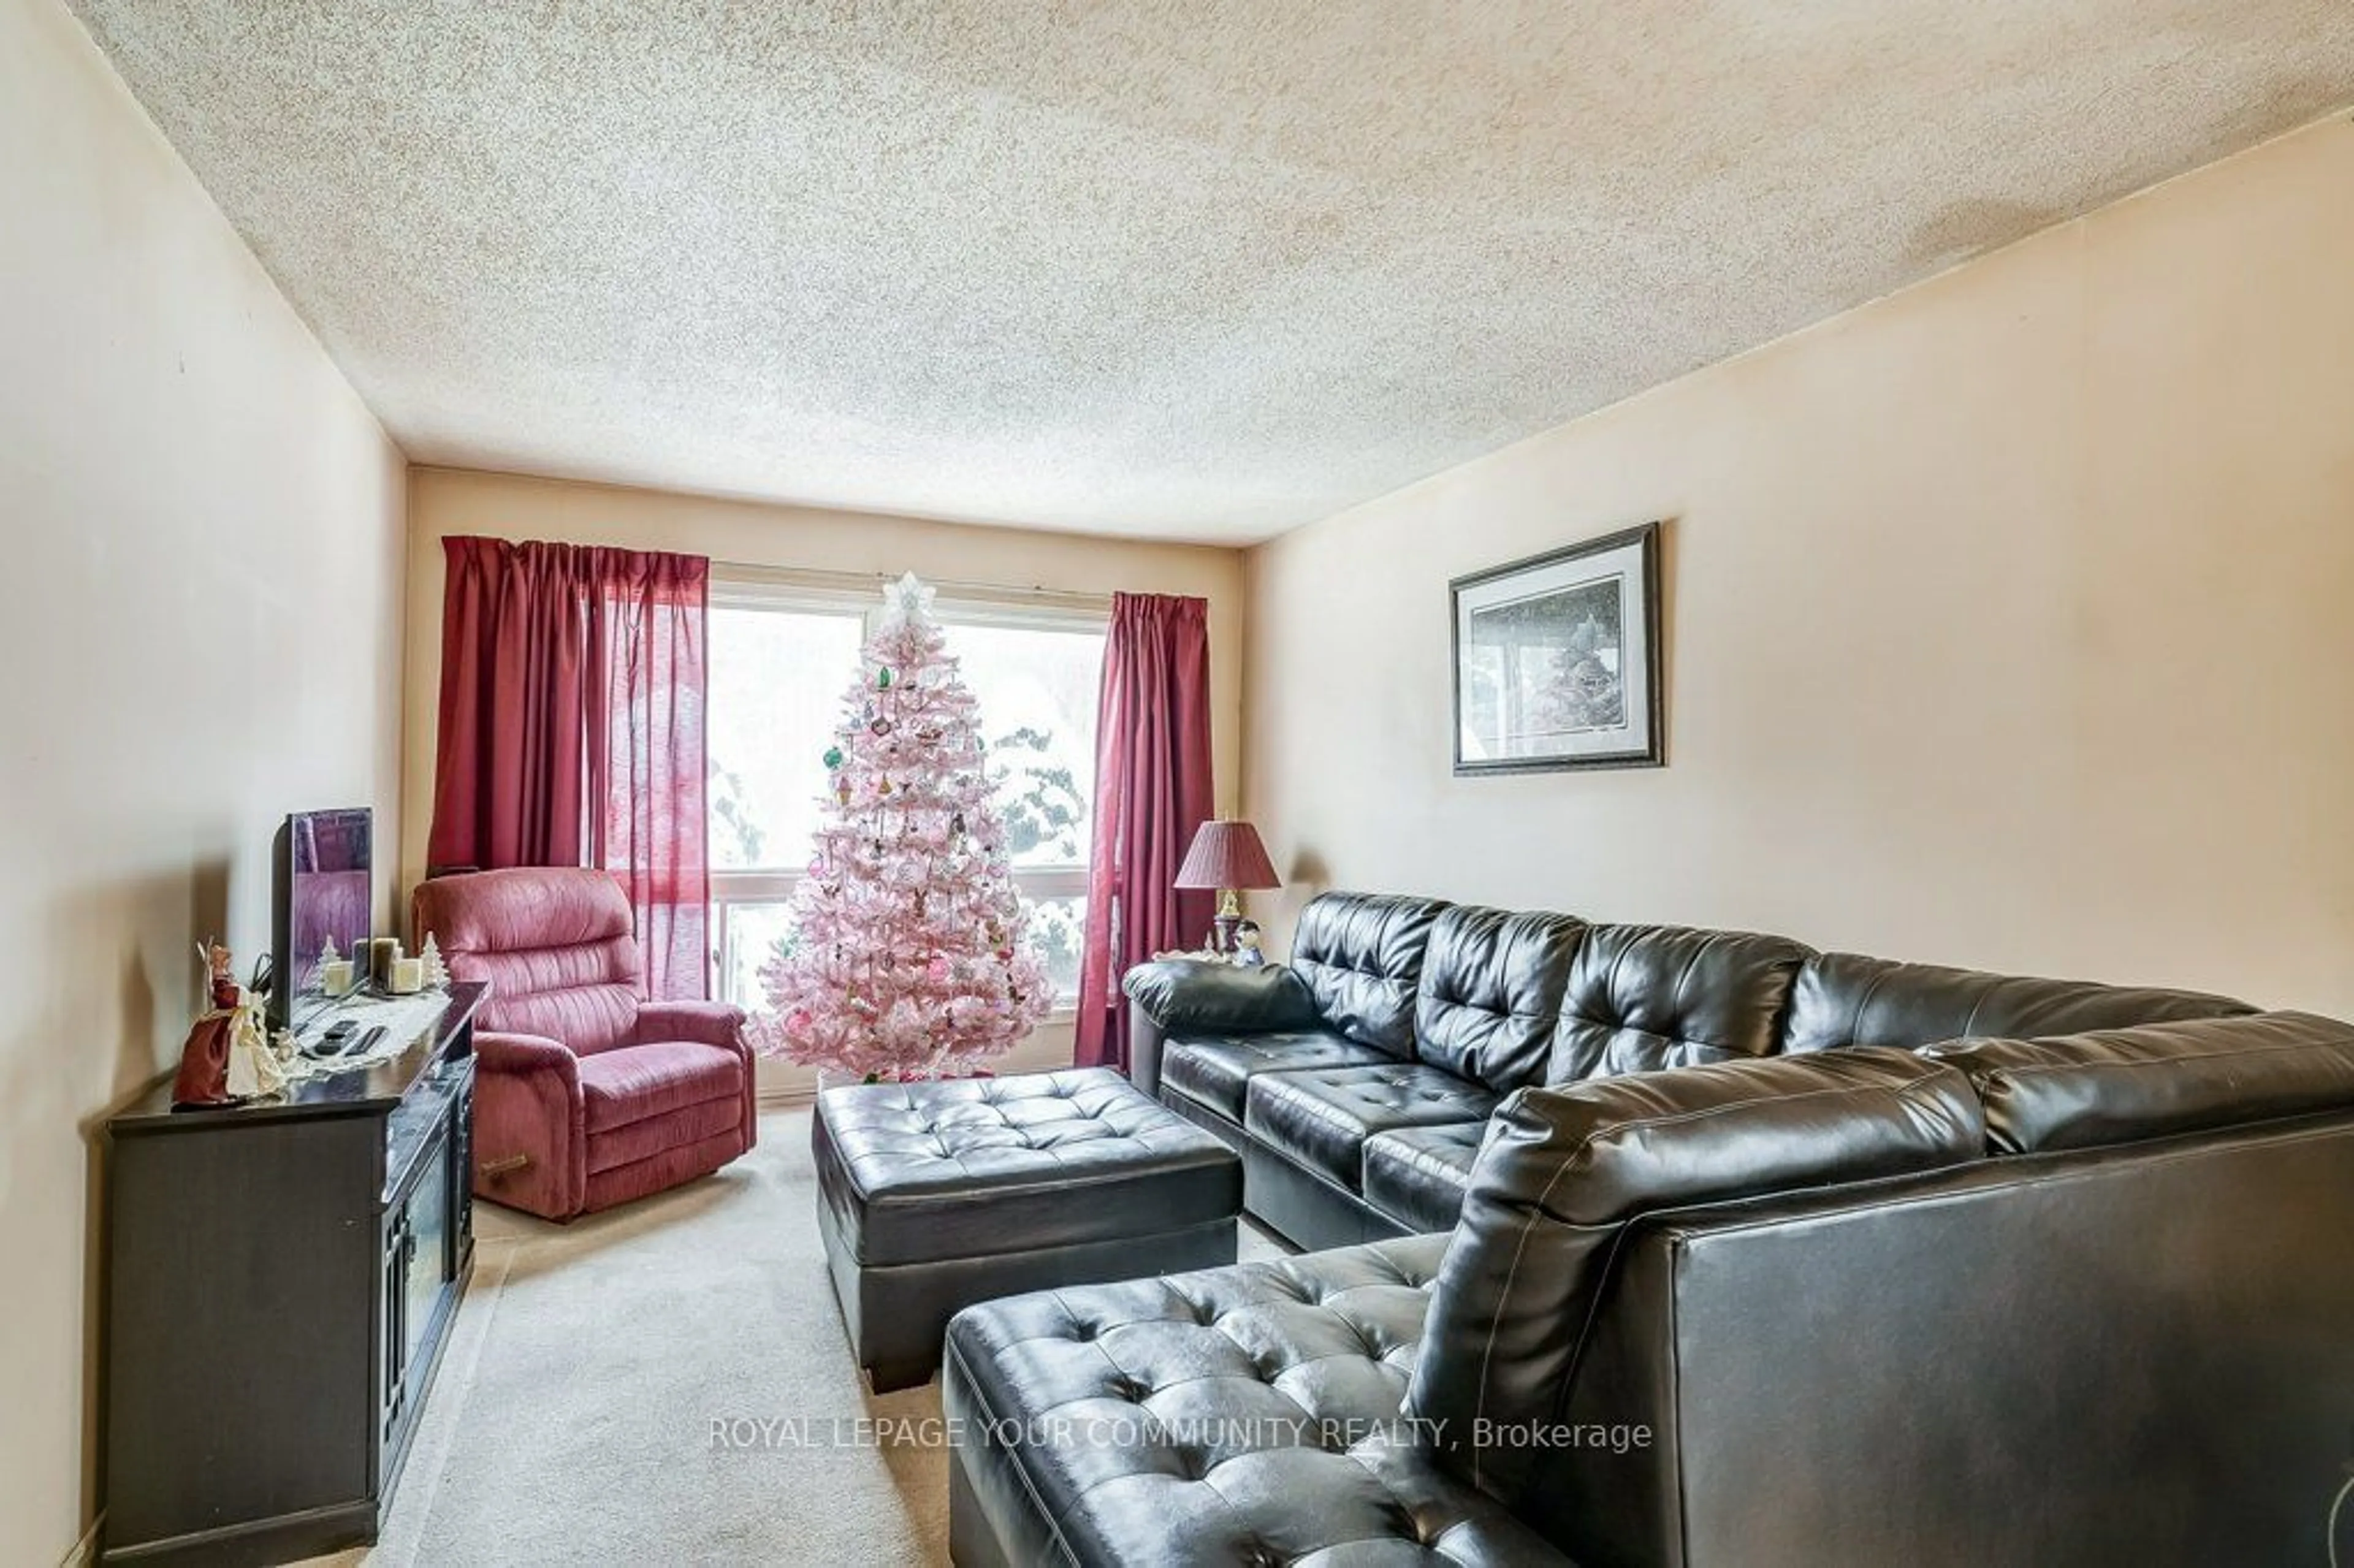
(330, 1044)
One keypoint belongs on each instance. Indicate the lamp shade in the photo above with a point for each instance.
(1227, 854)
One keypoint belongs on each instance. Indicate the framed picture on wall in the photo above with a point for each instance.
(1557, 659)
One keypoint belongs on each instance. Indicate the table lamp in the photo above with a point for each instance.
(1228, 857)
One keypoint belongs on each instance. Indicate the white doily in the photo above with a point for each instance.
(402, 1019)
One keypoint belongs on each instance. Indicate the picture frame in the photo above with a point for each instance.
(1556, 658)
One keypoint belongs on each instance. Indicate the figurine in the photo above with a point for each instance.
(1247, 954)
(254, 1068)
(337, 974)
(228, 1057)
(203, 1078)
(437, 973)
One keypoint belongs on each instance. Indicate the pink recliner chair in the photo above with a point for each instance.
(587, 1094)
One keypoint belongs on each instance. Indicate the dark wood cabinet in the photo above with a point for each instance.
(280, 1281)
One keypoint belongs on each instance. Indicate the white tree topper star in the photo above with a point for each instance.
(908, 599)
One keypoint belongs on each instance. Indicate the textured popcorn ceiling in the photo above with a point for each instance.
(1199, 270)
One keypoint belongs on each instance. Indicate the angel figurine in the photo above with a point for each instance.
(254, 1067)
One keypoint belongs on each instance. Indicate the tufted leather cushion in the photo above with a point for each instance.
(1645, 996)
(1846, 999)
(1319, 1120)
(555, 944)
(1416, 1175)
(2122, 1085)
(1563, 1172)
(914, 1172)
(1361, 955)
(1240, 1415)
(1217, 1073)
(1491, 995)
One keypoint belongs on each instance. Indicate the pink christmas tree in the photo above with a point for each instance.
(910, 956)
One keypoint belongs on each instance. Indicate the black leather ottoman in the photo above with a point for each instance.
(1247, 1415)
(934, 1196)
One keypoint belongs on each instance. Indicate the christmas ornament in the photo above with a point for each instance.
(833, 758)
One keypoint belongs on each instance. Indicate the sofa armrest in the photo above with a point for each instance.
(1193, 997)
(528, 1054)
(709, 1023)
(530, 1125)
(1565, 1174)
(703, 1023)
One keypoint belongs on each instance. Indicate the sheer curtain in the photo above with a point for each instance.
(1153, 789)
(572, 729)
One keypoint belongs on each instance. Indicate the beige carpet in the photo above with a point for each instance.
(572, 1421)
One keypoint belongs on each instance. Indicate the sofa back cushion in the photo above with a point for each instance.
(1491, 996)
(1640, 998)
(2123, 1085)
(1846, 999)
(554, 942)
(1361, 955)
(1565, 1171)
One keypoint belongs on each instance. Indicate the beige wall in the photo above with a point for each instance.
(2010, 620)
(443, 501)
(203, 546)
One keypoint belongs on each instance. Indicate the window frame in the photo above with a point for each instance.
(789, 592)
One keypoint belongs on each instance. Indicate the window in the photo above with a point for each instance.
(783, 654)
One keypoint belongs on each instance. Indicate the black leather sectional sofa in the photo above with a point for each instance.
(1899, 1265)
(1357, 1081)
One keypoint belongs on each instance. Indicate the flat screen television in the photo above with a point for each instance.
(323, 890)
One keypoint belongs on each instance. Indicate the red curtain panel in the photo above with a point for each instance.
(1153, 789)
(572, 729)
